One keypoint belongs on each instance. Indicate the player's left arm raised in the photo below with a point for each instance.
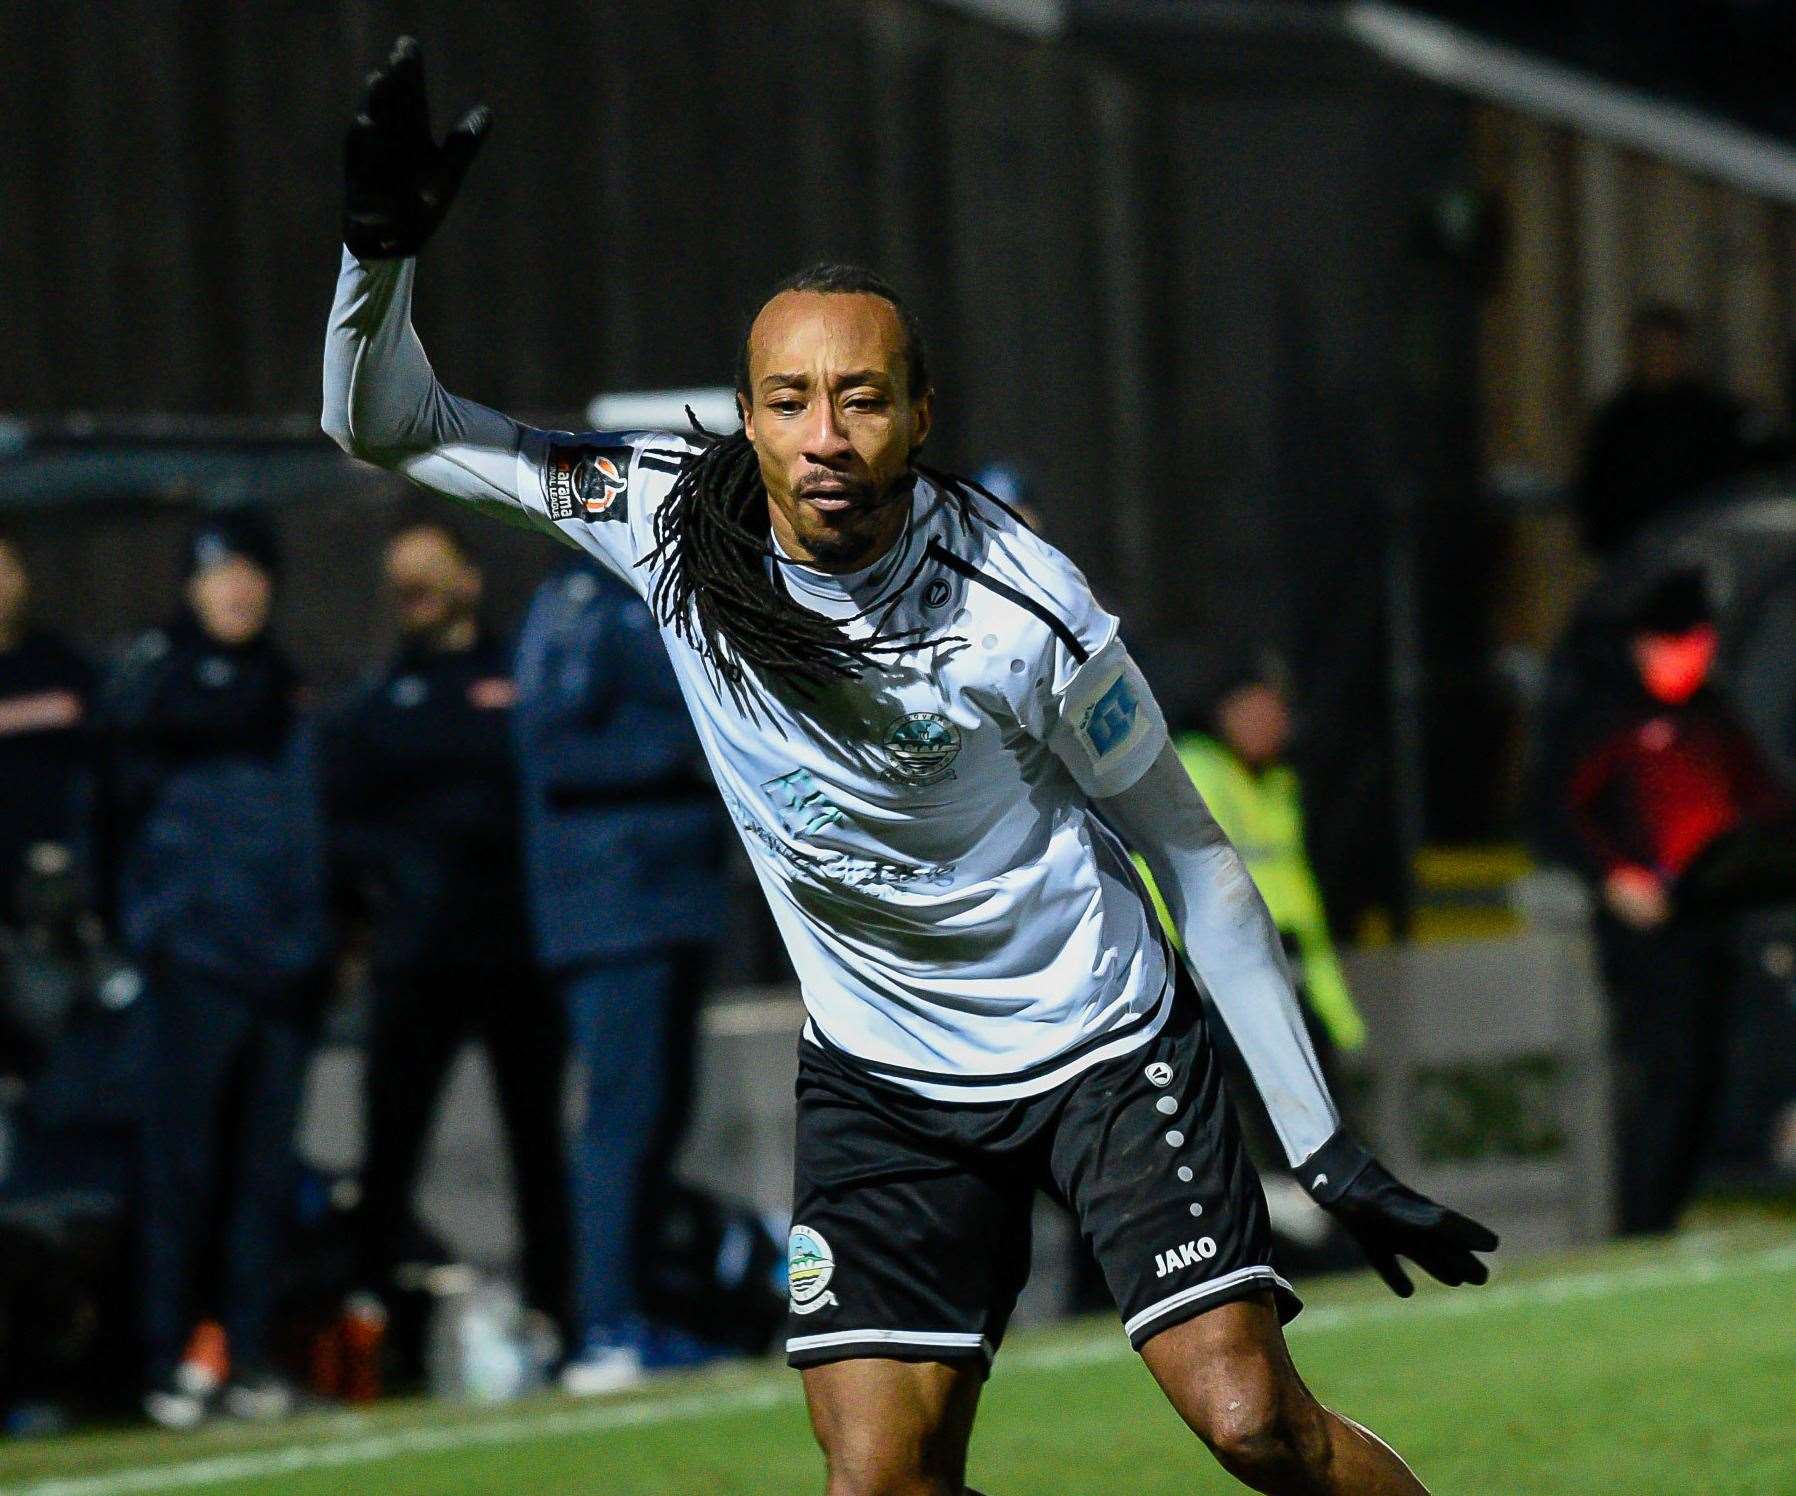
(1231, 941)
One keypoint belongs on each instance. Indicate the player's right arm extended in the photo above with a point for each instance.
(382, 402)
(385, 405)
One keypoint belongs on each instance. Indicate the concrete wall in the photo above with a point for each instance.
(1487, 1088)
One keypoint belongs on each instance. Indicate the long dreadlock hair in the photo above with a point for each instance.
(713, 540)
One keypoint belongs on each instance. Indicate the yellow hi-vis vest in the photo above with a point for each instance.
(1263, 816)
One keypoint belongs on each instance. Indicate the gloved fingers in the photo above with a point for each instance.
(459, 147)
(380, 103)
(359, 147)
(1440, 1256)
(1464, 1232)
(1419, 1213)
(1388, 1268)
(410, 102)
(1442, 1263)
(464, 140)
(406, 62)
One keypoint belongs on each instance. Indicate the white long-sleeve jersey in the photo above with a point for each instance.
(961, 920)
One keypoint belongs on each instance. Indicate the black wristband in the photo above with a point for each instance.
(1328, 1172)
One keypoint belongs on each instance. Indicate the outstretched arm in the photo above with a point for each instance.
(1231, 941)
(1232, 944)
(382, 402)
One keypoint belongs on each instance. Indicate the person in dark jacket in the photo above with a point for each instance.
(423, 806)
(1662, 438)
(220, 897)
(624, 854)
(44, 691)
(1654, 796)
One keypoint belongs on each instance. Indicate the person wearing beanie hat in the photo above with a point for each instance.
(232, 534)
(214, 875)
(1674, 775)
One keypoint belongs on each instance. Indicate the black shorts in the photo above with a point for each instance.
(910, 1234)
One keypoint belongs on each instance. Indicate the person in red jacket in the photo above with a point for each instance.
(1674, 777)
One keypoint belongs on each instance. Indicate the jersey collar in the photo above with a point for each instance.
(842, 594)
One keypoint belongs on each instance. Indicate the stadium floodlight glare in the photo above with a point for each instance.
(664, 410)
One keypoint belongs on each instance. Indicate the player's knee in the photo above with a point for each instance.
(1265, 1427)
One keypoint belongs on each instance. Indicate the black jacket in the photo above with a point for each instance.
(44, 695)
(423, 809)
(212, 800)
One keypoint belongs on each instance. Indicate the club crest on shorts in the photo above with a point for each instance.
(809, 1266)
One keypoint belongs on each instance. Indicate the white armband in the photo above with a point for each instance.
(1110, 729)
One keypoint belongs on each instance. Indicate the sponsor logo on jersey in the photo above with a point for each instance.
(586, 482)
(832, 866)
(803, 809)
(1189, 1254)
(1110, 719)
(922, 748)
(809, 1266)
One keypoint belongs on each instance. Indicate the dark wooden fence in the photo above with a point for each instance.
(1186, 287)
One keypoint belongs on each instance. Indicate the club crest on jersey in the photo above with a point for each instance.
(809, 1266)
(922, 748)
(586, 482)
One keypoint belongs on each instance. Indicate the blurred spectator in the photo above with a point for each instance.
(1237, 761)
(220, 895)
(423, 810)
(44, 690)
(1662, 438)
(1656, 801)
(624, 846)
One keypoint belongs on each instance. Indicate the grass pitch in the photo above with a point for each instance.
(1665, 1368)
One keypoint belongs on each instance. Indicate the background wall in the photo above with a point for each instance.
(1594, 231)
(1189, 290)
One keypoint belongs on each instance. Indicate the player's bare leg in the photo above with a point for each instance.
(1231, 1378)
(894, 1428)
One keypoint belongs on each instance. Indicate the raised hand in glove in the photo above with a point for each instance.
(399, 181)
(1390, 1220)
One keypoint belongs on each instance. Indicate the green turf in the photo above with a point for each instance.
(1668, 1368)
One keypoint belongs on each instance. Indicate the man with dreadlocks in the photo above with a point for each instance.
(935, 747)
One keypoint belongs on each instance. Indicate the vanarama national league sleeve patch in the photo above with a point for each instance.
(582, 480)
(1110, 728)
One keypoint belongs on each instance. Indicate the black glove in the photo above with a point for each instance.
(1387, 1218)
(399, 181)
